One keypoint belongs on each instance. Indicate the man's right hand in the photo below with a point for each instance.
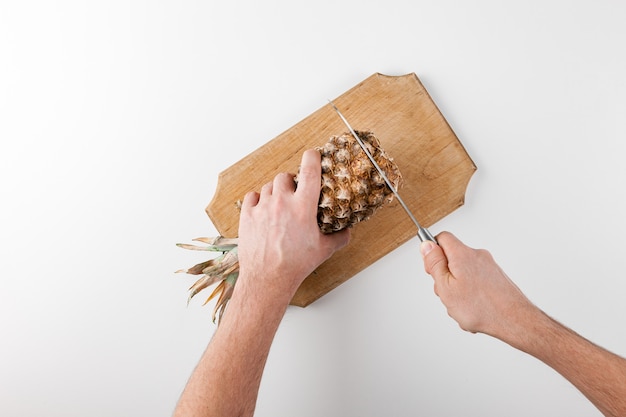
(475, 290)
(481, 298)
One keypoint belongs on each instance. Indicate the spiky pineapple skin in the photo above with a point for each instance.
(352, 189)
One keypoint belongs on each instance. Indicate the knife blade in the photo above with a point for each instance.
(422, 233)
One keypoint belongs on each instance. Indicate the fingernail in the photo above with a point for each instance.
(426, 247)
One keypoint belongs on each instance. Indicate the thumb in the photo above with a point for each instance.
(435, 261)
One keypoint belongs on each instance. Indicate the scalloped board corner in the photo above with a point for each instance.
(398, 109)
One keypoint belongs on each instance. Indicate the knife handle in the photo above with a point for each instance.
(424, 235)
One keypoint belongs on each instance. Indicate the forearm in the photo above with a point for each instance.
(599, 374)
(227, 378)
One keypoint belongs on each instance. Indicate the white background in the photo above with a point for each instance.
(116, 118)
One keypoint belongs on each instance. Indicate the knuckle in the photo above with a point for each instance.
(307, 172)
(436, 289)
(484, 254)
(433, 265)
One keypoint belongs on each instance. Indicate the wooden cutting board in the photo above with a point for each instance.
(435, 166)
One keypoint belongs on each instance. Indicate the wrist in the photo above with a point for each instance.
(278, 283)
(259, 295)
(523, 328)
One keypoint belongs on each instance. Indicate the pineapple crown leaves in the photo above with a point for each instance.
(223, 269)
(214, 244)
(225, 291)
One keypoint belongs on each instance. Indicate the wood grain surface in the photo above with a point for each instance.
(399, 111)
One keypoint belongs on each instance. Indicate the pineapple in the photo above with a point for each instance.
(351, 191)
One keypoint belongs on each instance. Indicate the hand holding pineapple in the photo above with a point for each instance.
(349, 190)
(280, 242)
